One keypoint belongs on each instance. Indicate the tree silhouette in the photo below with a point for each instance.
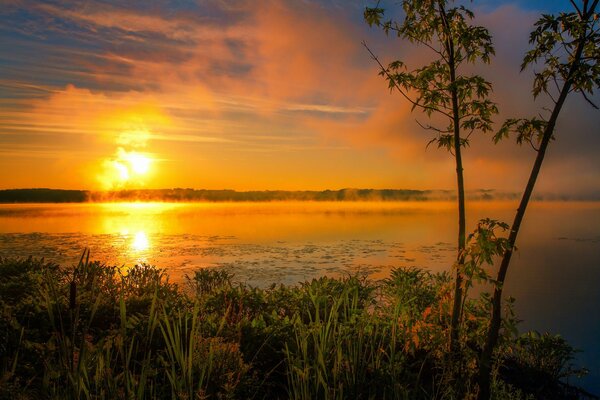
(567, 48)
(440, 89)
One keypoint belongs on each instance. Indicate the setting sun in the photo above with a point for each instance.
(138, 163)
(127, 167)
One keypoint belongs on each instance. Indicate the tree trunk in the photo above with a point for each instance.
(458, 290)
(485, 362)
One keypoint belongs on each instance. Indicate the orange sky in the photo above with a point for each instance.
(256, 95)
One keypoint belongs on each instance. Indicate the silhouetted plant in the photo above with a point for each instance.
(327, 338)
(207, 280)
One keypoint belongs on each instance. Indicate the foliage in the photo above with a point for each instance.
(448, 33)
(206, 281)
(538, 362)
(549, 354)
(557, 40)
(483, 244)
(567, 47)
(132, 334)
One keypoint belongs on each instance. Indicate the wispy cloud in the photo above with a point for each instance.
(243, 93)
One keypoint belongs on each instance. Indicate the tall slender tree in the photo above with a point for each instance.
(567, 49)
(440, 89)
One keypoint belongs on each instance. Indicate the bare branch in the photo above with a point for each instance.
(391, 79)
(589, 100)
(532, 145)
(416, 39)
(590, 11)
(572, 2)
(557, 88)
(431, 128)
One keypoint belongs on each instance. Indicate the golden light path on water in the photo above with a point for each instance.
(278, 240)
(143, 226)
(139, 219)
(269, 242)
(243, 234)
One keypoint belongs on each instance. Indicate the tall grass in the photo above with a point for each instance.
(187, 373)
(99, 332)
(343, 351)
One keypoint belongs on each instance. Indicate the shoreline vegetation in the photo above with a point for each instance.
(44, 195)
(94, 331)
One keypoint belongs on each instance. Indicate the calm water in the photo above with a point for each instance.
(555, 275)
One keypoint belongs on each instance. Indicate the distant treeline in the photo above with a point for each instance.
(187, 195)
(43, 196)
(199, 195)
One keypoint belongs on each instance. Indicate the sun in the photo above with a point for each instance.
(128, 168)
(138, 163)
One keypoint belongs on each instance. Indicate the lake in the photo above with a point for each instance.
(554, 277)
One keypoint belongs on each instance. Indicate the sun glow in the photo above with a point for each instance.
(128, 167)
(122, 171)
(138, 163)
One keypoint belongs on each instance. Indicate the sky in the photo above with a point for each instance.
(253, 95)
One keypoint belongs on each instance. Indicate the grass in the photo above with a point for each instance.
(95, 332)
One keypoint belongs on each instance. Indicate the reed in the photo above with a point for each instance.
(100, 332)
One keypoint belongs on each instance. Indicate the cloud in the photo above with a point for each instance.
(221, 80)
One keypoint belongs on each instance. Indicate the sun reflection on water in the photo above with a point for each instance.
(135, 226)
(140, 242)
